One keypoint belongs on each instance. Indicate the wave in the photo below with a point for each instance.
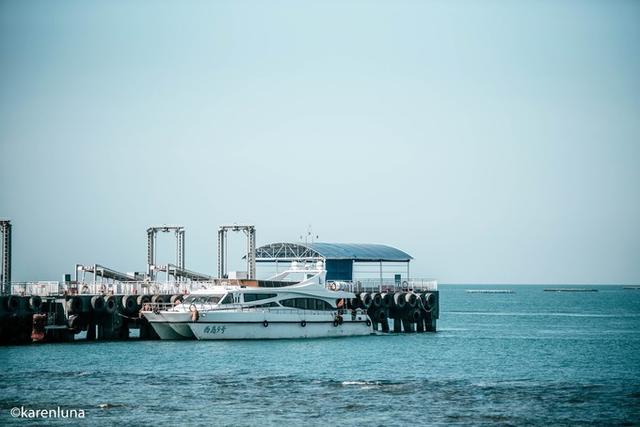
(362, 385)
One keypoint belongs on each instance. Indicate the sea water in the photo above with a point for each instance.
(531, 357)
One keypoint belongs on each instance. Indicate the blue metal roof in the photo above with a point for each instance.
(365, 252)
(359, 251)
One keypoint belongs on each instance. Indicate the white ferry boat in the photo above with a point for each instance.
(270, 309)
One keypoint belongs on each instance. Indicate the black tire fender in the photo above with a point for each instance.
(110, 304)
(35, 302)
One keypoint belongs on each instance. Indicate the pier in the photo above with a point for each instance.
(105, 304)
(59, 311)
(402, 310)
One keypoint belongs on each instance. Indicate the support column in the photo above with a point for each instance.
(151, 256)
(221, 238)
(397, 325)
(251, 252)
(180, 247)
(5, 258)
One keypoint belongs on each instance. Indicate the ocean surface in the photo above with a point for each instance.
(527, 358)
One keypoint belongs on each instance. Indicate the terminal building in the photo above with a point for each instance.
(343, 261)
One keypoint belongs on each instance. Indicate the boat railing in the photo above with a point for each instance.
(165, 306)
(157, 306)
(384, 285)
(285, 310)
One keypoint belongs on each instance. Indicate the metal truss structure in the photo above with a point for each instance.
(104, 273)
(250, 232)
(287, 252)
(151, 247)
(182, 273)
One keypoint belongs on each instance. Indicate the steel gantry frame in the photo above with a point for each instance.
(151, 247)
(104, 273)
(250, 232)
(5, 259)
(181, 272)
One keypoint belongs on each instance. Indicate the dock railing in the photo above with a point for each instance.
(51, 288)
(384, 285)
(41, 288)
(136, 288)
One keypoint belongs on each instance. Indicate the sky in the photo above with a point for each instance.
(494, 141)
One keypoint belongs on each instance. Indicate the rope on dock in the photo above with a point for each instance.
(127, 317)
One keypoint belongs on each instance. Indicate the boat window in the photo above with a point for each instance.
(288, 302)
(306, 304)
(213, 300)
(274, 283)
(228, 299)
(257, 297)
(194, 299)
(323, 305)
(268, 304)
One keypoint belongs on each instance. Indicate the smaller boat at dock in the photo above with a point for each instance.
(170, 321)
(570, 290)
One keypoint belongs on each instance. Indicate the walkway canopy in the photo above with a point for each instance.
(339, 258)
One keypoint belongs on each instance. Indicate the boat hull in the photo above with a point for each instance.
(182, 329)
(266, 325)
(161, 326)
(165, 329)
(179, 322)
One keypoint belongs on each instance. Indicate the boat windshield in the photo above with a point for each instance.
(202, 299)
(228, 299)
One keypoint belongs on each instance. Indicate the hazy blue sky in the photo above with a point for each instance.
(493, 141)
